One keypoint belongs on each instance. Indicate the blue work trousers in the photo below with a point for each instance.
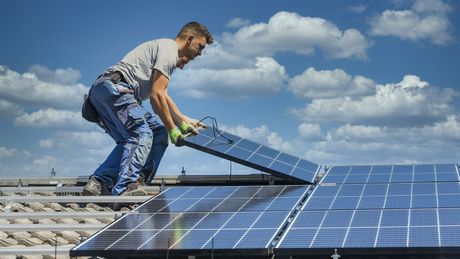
(140, 136)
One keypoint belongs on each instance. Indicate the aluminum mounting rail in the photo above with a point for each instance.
(51, 227)
(59, 189)
(56, 215)
(77, 199)
(38, 250)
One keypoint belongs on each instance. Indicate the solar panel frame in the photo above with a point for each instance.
(254, 155)
(143, 228)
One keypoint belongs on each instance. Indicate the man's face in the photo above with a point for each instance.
(193, 48)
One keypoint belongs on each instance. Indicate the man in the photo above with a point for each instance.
(144, 73)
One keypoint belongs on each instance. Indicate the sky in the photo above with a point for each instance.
(334, 82)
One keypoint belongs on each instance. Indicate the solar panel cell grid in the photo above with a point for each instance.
(361, 237)
(401, 206)
(240, 217)
(391, 174)
(254, 155)
(373, 228)
(385, 196)
(450, 236)
(414, 212)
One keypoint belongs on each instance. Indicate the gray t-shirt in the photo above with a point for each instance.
(138, 65)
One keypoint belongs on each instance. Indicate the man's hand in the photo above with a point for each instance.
(195, 123)
(174, 135)
(186, 128)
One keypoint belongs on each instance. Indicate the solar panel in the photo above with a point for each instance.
(182, 219)
(385, 215)
(383, 228)
(392, 174)
(385, 196)
(253, 155)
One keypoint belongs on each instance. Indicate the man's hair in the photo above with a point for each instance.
(197, 30)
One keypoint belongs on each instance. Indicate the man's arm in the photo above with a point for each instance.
(179, 118)
(176, 115)
(159, 99)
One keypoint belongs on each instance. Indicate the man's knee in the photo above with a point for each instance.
(146, 138)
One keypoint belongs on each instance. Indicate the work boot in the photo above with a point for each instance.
(134, 189)
(92, 187)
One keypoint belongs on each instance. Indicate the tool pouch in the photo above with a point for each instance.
(88, 112)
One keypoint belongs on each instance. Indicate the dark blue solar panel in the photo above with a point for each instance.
(402, 206)
(194, 218)
(224, 239)
(424, 201)
(424, 236)
(366, 218)
(337, 218)
(398, 202)
(355, 213)
(254, 155)
(329, 237)
(392, 237)
(371, 202)
(372, 228)
(394, 218)
(309, 219)
(449, 216)
(361, 237)
(385, 196)
(423, 217)
(450, 236)
(298, 238)
(392, 174)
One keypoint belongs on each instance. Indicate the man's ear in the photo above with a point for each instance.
(189, 39)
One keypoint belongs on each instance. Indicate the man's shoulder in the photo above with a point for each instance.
(164, 42)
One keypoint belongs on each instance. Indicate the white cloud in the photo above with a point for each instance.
(59, 76)
(69, 152)
(447, 131)
(310, 132)
(427, 19)
(237, 22)
(239, 64)
(216, 56)
(9, 108)
(42, 87)
(53, 119)
(264, 78)
(93, 144)
(358, 8)
(287, 31)
(43, 164)
(362, 144)
(409, 102)
(89, 140)
(431, 6)
(330, 83)
(46, 143)
(12, 152)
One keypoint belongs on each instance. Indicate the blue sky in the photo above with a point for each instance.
(335, 82)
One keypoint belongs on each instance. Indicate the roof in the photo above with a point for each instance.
(41, 216)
